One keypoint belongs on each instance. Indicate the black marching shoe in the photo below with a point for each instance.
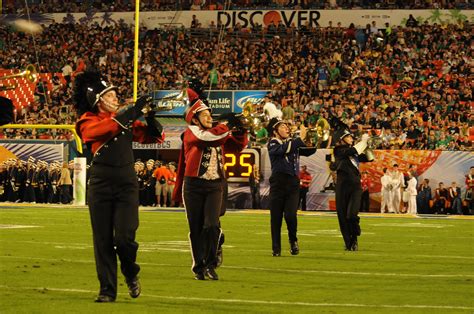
(134, 287)
(276, 253)
(211, 273)
(199, 276)
(101, 298)
(355, 245)
(294, 248)
(219, 256)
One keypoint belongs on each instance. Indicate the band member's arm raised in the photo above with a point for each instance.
(214, 137)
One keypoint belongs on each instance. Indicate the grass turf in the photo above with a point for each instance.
(404, 265)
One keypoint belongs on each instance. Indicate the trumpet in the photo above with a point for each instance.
(250, 119)
(319, 134)
(30, 74)
(373, 143)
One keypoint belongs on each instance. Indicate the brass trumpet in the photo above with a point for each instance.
(319, 134)
(251, 120)
(30, 74)
(373, 143)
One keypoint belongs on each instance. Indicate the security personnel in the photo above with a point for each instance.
(284, 155)
(202, 181)
(108, 130)
(348, 184)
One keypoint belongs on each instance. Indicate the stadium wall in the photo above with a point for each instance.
(247, 18)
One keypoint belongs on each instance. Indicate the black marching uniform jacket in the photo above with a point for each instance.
(348, 191)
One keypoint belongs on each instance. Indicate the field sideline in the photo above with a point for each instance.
(405, 264)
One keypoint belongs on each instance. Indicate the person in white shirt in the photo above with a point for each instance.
(397, 184)
(386, 194)
(411, 189)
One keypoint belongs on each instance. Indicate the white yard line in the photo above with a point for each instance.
(300, 271)
(260, 302)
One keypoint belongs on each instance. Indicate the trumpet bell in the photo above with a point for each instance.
(30, 74)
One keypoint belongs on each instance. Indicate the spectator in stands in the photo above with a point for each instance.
(454, 197)
(440, 199)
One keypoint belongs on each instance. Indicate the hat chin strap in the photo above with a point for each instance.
(108, 106)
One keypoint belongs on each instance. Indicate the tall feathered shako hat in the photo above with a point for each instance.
(197, 101)
(88, 88)
(195, 108)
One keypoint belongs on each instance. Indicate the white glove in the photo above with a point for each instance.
(365, 137)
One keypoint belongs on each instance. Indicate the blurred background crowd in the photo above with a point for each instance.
(413, 81)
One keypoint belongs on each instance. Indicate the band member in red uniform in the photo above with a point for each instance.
(202, 183)
(365, 183)
(305, 182)
(108, 128)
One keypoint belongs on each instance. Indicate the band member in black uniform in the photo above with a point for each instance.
(30, 183)
(284, 155)
(202, 181)
(53, 189)
(108, 130)
(348, 184)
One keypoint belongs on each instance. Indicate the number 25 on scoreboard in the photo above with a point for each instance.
(238, 167)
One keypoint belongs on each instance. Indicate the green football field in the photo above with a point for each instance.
(404, 265)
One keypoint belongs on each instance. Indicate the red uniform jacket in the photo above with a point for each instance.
(305, 176)
(195, 151)
(98, 128)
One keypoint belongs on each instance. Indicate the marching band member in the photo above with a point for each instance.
(108, 128)
(201, 181)
(284, 155)
(348, 184)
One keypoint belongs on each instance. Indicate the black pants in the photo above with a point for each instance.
(203, 202)
(255, 194)
(113, 207)
(348, 197)
(284, 197)
(365, 201)
(303, 193)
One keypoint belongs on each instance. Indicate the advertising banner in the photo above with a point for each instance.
(45, 152)
(220, 101)
(248, 18)
(165, 98)
(241, 97)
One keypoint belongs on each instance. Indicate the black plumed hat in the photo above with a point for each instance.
(339, 134)
(88, 88)
(272, 125)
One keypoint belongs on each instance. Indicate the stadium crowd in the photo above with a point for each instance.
(51, 6)
(413, 82)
